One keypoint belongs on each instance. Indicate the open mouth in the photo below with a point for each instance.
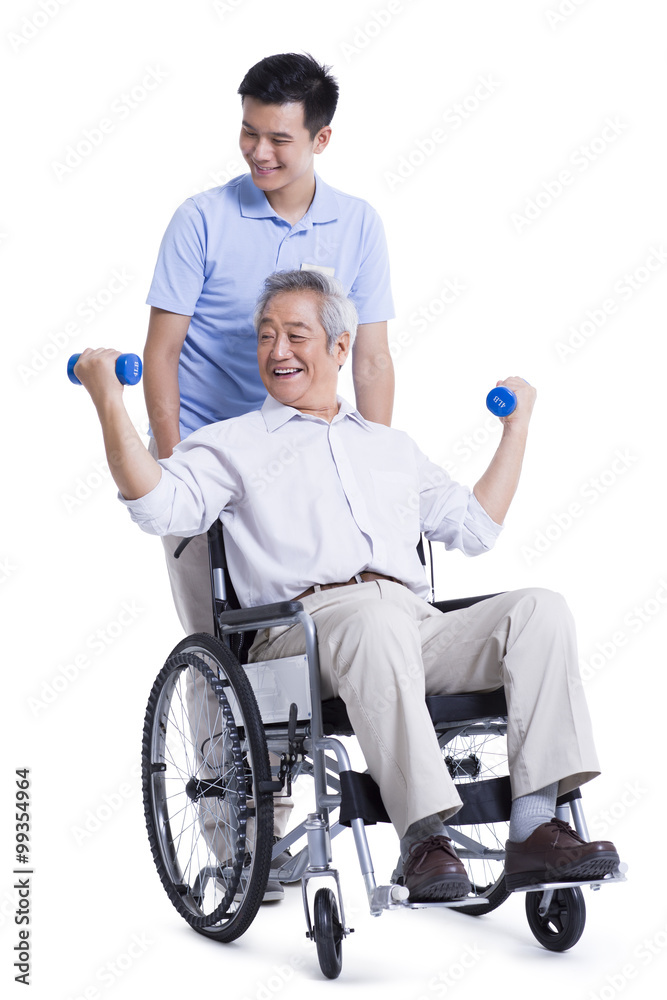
(263, 170)
(284, 373)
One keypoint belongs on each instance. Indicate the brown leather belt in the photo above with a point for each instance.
(365, 577)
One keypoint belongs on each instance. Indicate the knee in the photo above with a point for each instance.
(547, 605)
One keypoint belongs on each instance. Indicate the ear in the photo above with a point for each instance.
(342, 348)
(321, 140)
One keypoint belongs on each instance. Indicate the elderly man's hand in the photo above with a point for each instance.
(525, 401)
(96, 370)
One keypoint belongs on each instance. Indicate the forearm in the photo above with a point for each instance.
(496, 488)
(133, 469)
(166, 333)
(163, 402)
(373, 373)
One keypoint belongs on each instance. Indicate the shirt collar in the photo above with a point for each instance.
(254, 204)
(276, 414)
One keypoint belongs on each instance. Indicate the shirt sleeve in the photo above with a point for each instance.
(181, 264)
(197, 483)
(371, 291)
(451, 513)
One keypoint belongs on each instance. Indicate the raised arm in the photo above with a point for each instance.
(496, 488)
(166, 333)
(134, 470)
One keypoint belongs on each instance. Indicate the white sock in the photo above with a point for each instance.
(530, 811)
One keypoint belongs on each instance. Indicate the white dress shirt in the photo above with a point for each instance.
(307, 502)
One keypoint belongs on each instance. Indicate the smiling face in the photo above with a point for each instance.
(278, 147)
(294, 363)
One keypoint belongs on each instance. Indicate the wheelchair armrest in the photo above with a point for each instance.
(460, 602)
(263, 616)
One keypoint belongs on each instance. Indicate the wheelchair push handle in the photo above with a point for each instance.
(128, 369)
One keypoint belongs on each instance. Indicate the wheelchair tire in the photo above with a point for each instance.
(204, 756)
(563, 924)
(328, 933)
(476, 755)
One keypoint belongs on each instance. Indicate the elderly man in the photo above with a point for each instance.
(335, 525)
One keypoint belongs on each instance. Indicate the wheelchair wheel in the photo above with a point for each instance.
(563, 924)
(204, 760)
(477, 755)
(328, 933)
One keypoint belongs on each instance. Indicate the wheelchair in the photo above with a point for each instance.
(221, 737)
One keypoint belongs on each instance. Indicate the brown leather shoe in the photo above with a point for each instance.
(556, 853)
(433, 873)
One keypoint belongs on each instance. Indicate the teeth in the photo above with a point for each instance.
(285, 371)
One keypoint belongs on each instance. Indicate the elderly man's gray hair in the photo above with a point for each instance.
(336, 312)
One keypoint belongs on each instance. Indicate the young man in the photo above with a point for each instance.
(200, 362)
(337, 530)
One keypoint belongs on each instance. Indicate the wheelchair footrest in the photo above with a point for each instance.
(616, 876)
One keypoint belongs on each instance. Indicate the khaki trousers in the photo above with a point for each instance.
(382, 649)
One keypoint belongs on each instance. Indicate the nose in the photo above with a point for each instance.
(281, 347)
(262, 151)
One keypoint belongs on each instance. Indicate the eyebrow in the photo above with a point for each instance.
(297, 323)
(282, 135)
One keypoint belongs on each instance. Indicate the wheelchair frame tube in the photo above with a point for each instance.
(313, 656)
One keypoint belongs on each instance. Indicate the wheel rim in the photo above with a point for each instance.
(474, 756)
(196, 783)
(563, 923)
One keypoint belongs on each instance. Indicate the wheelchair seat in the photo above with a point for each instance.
(443, 709)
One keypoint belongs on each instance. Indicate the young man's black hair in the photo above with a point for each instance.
(290, 78)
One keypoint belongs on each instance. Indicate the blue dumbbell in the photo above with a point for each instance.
(128, 369)
(501, 401)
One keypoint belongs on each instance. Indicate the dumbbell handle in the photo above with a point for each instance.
(128, 369)
(501, 401)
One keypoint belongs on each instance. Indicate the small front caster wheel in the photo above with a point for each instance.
(562, 925)
(328, 933)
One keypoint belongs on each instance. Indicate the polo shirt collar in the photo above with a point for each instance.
(254, 204)
(276, 414)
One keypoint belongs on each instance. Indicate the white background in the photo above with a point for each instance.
(587, 522)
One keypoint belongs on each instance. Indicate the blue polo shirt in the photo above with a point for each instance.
(219, 247)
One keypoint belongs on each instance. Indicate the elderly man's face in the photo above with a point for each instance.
(294, 362)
